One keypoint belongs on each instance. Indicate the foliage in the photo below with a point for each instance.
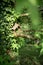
(29, 54)
(15, 50)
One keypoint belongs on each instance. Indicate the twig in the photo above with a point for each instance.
(25, 14)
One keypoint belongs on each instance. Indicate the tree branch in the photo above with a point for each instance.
(23, 35)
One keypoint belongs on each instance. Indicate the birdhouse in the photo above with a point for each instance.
(15, 27)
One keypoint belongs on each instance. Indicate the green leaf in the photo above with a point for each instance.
(41, 52)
